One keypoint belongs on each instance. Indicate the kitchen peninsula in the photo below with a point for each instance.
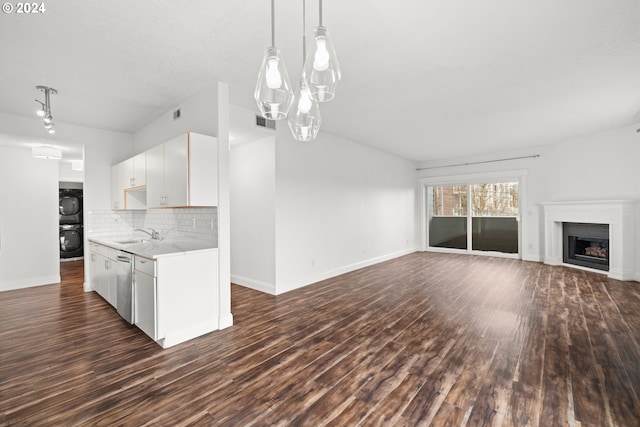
(173, 285)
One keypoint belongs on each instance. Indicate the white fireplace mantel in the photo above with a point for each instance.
(619, 214)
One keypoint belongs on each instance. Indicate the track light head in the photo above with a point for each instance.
(45, 110)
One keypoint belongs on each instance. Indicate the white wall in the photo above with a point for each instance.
(304, 212)
(339, 206)
(601, 166)
(29, 254)
(101, 149)
(66, 173)
(197, 114)
(252, 190)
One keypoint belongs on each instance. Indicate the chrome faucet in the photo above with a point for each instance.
(154, 234)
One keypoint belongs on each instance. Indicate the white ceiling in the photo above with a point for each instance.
(423, 79)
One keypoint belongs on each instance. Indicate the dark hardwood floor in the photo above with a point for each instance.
(425, 339)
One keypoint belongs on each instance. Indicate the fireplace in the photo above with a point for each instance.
(586, 245)
(618, 215)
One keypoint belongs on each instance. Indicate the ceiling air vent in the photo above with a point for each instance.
(265, 123)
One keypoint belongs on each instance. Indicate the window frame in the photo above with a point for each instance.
(518, 176)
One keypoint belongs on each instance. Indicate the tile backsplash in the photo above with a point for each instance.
(191, 223)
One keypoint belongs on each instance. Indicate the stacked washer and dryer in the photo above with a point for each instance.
(71, 235)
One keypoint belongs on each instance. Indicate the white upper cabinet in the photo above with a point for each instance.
(128, 181)
(183, 172)
(135, 171)
(176, 172)
(117, 186)
(155, 176)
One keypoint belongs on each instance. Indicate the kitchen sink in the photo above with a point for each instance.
(130, 241)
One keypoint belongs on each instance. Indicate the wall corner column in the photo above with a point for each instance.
(224, 217)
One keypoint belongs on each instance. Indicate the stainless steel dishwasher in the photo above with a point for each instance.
(124, 301)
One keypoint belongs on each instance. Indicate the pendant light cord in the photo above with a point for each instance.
(273, 25)
(320, 12)
(304, 31)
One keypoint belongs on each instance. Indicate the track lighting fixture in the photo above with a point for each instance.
(45, 108)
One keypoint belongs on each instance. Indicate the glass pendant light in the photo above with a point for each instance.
(273, 94)
(321, 68)
(304, 121)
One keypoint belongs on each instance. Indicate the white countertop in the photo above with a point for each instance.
(154, 248)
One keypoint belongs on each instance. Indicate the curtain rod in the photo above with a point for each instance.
(534, 156)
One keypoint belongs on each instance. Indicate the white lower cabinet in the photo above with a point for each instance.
(104, 279)
(97, 267)
(144, 284)
(176, 297)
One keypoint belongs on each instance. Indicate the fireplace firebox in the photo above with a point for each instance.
(586, 245)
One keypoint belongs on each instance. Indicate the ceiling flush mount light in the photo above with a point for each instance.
(321, 68)
(49, 153)
(45, 108)
(304, 120)
(273, 94)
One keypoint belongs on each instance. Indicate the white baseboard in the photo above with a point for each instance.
(342, 270)
(225, 321)
(186, 334)
(29, 283)
(268, 288)
(532, 257)
(553, 261)
(624, 275)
